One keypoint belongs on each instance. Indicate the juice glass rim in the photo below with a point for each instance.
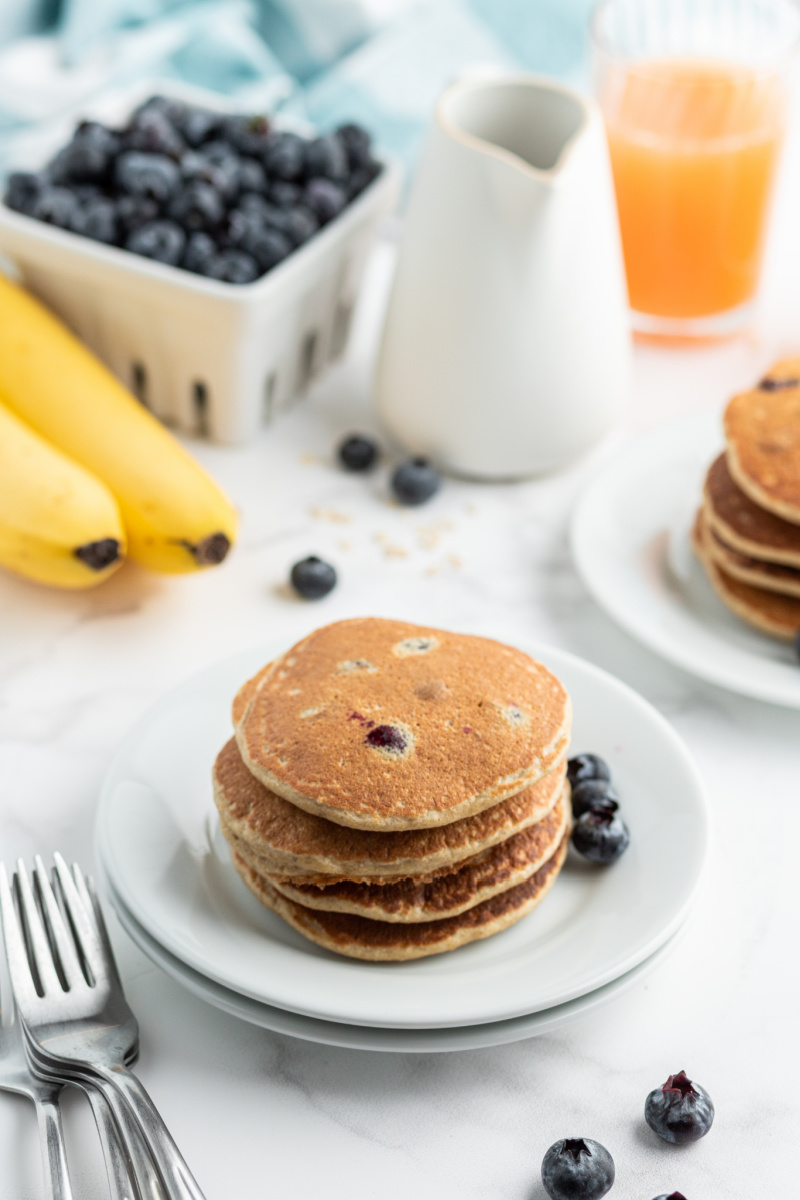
(601, 43)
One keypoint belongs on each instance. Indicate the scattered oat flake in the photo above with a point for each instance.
(454, 561)
(310, 460)
(344, 544)
(390, 549)
(429, 536)
(332, 515)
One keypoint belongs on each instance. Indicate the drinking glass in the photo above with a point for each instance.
(694, 95)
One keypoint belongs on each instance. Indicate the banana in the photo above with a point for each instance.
(58, 524)
(176, 517)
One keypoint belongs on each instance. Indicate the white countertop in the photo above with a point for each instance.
(259, 1114)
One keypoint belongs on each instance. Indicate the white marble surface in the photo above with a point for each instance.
(258, 1114)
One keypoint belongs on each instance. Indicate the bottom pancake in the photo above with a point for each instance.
(767, 611)
(387, 941)
(448, 893)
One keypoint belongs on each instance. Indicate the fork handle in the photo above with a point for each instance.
(120, 1168)
(178, 1181)
(54, 1158)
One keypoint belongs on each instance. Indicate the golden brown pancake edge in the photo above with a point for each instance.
(383, 941)
(361, 722)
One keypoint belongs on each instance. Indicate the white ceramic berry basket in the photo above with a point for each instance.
(204, 356)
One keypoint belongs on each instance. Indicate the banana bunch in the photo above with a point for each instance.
(85, 471)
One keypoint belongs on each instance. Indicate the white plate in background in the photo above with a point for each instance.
(630, 542)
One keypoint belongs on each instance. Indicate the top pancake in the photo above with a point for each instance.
(762, 429)
(383, 725)
(745, 526)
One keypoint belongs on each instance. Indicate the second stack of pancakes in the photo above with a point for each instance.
(395, 791)
(747, 532)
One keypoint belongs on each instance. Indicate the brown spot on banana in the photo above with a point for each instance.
(99, 555)
(211, 551)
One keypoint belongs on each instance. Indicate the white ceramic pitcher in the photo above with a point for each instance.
(506, 349)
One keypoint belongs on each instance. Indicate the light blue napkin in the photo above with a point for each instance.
(381, 62)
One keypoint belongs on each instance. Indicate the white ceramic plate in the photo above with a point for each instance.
(370, 1037)
(630, 541)
(157, 840)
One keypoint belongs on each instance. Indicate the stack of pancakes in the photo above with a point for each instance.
(747, 532)
(395, 791)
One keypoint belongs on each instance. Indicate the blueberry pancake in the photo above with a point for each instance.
(775, 577)
(765, 610)
(285, 840)
(742, 525)
(392, 941)
(446, 894)
(381, 725)
(762, 430)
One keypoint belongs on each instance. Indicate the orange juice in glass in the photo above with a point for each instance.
(694, 98)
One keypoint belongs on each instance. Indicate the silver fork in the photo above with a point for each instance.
(15, 1076)
(84, 1026)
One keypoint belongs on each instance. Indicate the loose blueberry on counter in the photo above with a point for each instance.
(671, 1196)
(679, 1111)
(358, 453)
(577, 1169)
(592, 793)
(312, 578)
(600, 834)
(587, 766)
(163, 241)
(415, 481)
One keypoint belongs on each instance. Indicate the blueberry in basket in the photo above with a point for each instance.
(226, 197)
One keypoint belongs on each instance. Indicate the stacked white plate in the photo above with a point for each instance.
(167, 871)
